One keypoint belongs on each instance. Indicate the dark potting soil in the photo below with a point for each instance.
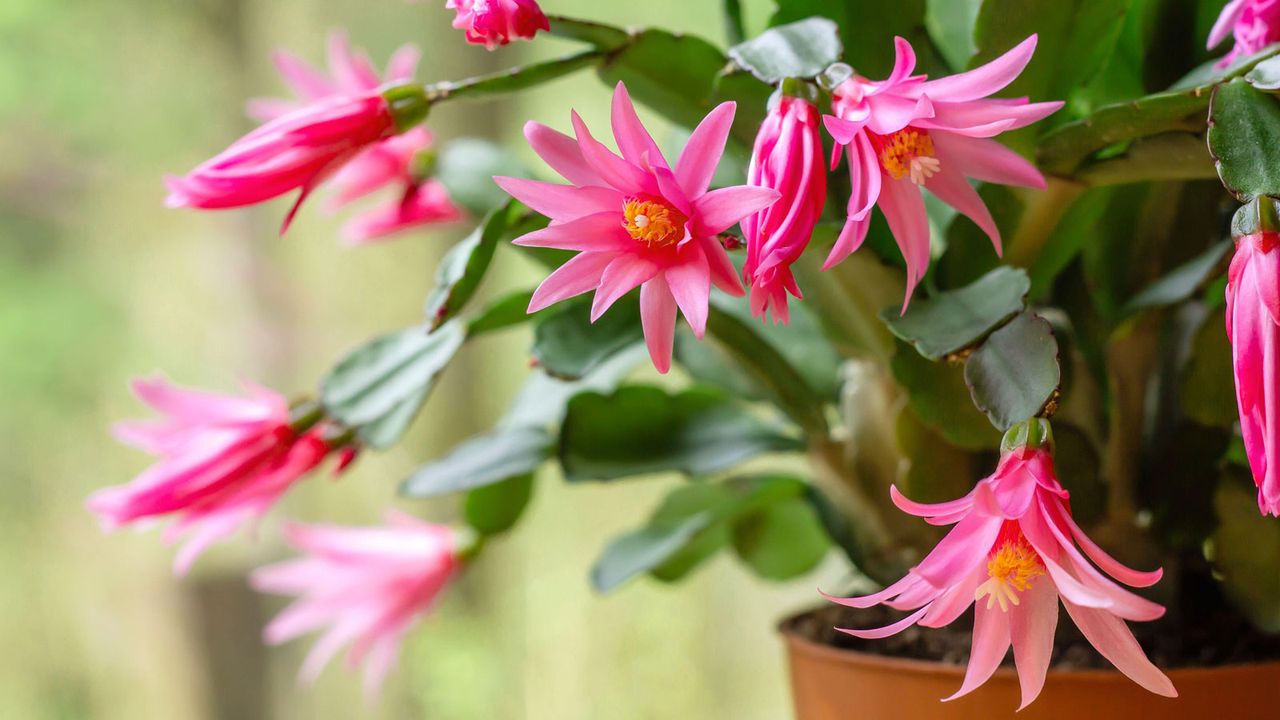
(1214, 636)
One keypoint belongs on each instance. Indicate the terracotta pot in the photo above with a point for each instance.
(829, 683)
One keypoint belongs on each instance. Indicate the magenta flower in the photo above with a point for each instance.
(788, 158)
(1253, 326)
(635, 221)
(495, 22)
(369, 585)
(1014, 551)
(224, 461)
(1254, 23)
(350, 74)
(296, 151)
(907, 132)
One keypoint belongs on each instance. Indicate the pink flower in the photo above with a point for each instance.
(1014, 550)
(223, 461)
(1253, 314)
(423, 203)
(369, 585)
(296, 151)
(494, 22)
(1254, 23)
(788, 158)
(635, 221)
(907, 132)
(350, 73)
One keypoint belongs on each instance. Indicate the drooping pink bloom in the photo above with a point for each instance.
(223, 462)
(1254, 23)
(636, 221)
(907, 132)
(368, 585)
(1253, 326)
(1016, 551)
(788, 158)
(350, 73)
(495, 22)
(296, 151)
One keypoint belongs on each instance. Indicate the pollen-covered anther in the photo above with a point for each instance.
(652, 222)
(1010, 571)
(908, 153)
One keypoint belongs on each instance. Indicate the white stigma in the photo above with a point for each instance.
(923, 168)
(642, 221)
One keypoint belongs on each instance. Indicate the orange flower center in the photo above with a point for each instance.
(908, 153)
(1010, 571)
(653, 223)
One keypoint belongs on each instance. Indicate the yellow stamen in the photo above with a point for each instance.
(653, 223)
(1010, 571)
(909, 152)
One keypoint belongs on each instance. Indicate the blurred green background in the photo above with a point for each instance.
(99, 283)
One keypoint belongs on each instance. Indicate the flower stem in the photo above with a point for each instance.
(514, 79)
(1040, 218)
(733, 21)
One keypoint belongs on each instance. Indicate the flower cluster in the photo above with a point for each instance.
(341, 129)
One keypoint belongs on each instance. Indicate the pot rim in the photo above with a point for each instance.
(846, 656)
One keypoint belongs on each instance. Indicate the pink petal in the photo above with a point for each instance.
(851, 237)
(403, 64)
(306, 81)
(690, 284)
(701, 155)
(903, 207)
(1032, 625)
(887, 630)
(344, 631)
(905, 584)
(891, 112)
(991, 637)
(718, 210)
(1109, 564)
(1226, 22)
(987, 118)
(951, 188)
(1109, 635)
(598, 232)
(962, 550)
(623, 275)
(988, 160)
(658, 318)
(986, 79)
(952, 603)
(841, 130)
(1264, 269)
(634, 141)
(927, 509)
(561, 202)
(579, 274)
(904, 62)
(723, 275)
(352, 71)
(615, 171)
(562, 153)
